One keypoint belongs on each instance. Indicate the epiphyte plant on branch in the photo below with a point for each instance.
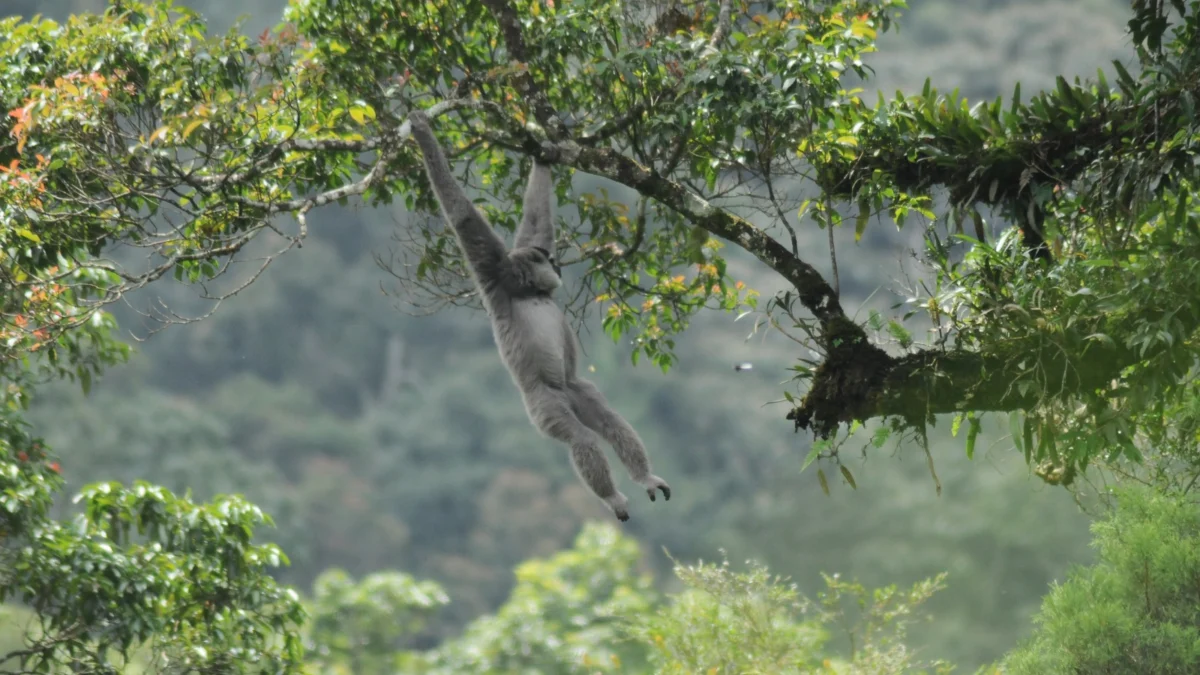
(137, 127)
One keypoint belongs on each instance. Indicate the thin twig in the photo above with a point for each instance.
(837, 292)
(783, 220)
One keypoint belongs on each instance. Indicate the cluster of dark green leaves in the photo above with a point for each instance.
(143, 568)
(1100, 344)
(29, 478)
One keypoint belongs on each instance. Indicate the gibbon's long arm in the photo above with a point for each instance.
(537, 223)
(484, 248)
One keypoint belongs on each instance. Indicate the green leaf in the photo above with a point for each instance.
(1014, 429)
(860, 223)
(187, 130)
(1125, 80)
(849, 478)
(28, 234)
(813, 453)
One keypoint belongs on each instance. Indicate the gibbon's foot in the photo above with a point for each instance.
(655, 483)
(619, 505)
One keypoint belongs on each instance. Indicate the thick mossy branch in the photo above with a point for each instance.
(858, 381)
(846, 381)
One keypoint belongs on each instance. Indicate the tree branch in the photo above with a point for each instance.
(724, 24)
(862, 382)
(514, 40)
(614, 127)
(815, 293)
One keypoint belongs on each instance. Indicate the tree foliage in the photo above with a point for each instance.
(137, 146)
(589, 610)
(727, 621)
(141, 578)
(1135, 610)
(137, 127)
(217, 135)
(567, 614)
(363, 626)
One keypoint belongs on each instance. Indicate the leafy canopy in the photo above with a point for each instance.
(140, 578)
(589, 610)
(137, 127)
(1134, 611)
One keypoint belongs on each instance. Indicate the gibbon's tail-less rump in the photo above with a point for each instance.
(535, 341)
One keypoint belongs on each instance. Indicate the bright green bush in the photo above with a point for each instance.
(1137, 610)
(589, 610)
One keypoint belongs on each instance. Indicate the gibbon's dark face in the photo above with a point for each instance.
(550, 259)
(534, 270)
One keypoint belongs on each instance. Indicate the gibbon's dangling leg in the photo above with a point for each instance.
(593, 410)
(551, 413)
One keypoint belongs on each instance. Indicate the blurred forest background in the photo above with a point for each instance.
(382, 439)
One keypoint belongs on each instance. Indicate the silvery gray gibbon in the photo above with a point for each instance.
(535, 340)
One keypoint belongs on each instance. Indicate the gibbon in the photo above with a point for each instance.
(535, 341)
